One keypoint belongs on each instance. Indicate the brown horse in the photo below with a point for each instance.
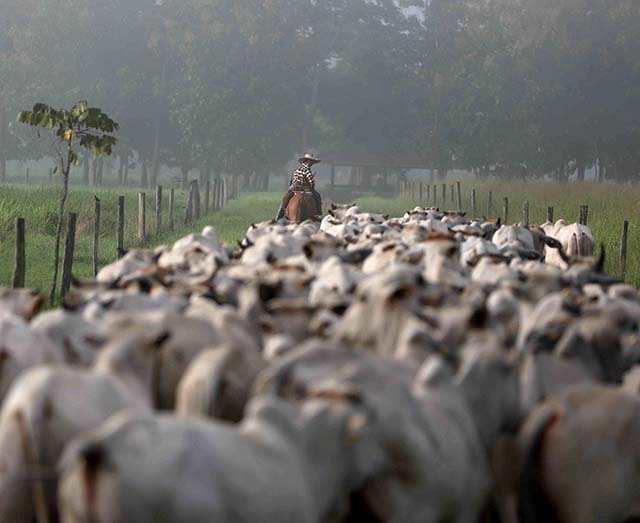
(302, 206)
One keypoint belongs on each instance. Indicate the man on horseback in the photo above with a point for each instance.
(302, 180)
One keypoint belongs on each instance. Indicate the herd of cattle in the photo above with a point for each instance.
(428, 368)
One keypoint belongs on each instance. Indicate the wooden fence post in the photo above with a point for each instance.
(474, 204)
(444, 196)
(623, 248)
(172, 192)
(459, 196)
(207, 196)
(19, 271)
(158, 209)
(490, 205)
(525, 214)
(142, 216)
(435, 195)
(67, 263)
(451, 192)
(550, 214)
(196, 199)
(584, 214)
(420, 193)
(96, 237)
(428, 199)
(26, 177)
(505, 210)
(120, 246)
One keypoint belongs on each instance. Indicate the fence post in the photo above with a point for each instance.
(550, 214)
(584, 214)
(142, 216)
(172, 192)
(50, 175)
(120, 246)
(158, 209)
(96, 237)
(26, 177)
(196, 199)
(525, 214)
(490, 205)
(428, 199)
(459, 196)
(451, 192)
(505, 209)
(623, 248)
(420, 193)
(435, 195)
(67, 263)
(444, 196)
(207, 195)
(474, 204)
(18, 273)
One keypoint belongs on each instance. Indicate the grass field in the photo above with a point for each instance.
(38, 205)
(609, 205)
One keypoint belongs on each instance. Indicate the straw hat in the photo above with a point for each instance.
(309, 158)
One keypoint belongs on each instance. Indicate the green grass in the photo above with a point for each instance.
(608, 204)
(38, 205)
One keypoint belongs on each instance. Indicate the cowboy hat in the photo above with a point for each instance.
(309, 158)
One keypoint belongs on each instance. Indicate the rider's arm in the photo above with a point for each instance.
(311, 178)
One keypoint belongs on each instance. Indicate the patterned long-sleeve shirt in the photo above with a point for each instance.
(303, 176)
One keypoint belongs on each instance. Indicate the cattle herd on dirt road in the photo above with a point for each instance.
(429, 368)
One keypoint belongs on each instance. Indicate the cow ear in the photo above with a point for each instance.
(333, 206)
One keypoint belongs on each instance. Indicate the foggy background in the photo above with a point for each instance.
(500, 88)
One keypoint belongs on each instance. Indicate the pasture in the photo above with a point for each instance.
(609, 205)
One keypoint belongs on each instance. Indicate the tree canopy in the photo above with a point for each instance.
(507, 87)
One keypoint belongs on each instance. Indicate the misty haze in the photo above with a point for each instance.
(319, 261)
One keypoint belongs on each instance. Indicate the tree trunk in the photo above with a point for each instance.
(125, 176)
(581, 169)
(155, 164)
(121, 170)
(144, 178)
(86, 164)
(265, 181)
(3, 143)
(100, 170)
(94, 172)
(63, 201)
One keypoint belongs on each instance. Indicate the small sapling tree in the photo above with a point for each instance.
(80, 127)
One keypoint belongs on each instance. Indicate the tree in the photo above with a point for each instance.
(81, 127)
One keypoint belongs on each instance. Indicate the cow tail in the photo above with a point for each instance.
(533, 504)
(41, 507)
